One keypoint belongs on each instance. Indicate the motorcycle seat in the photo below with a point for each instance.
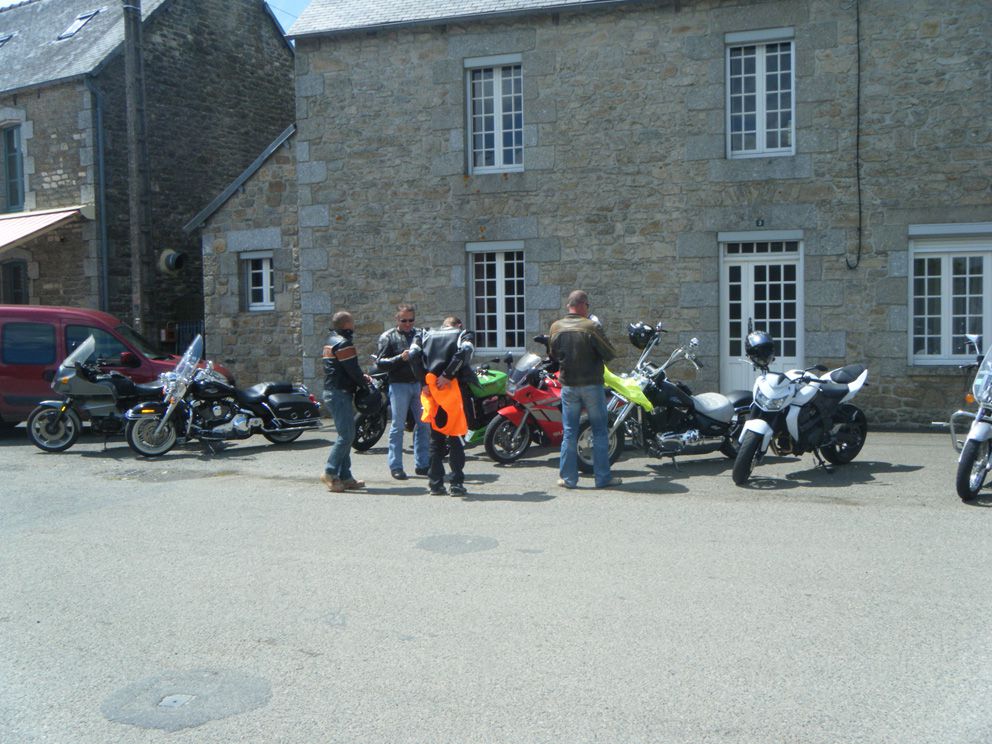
(847, 375)
(834, 390)
(714, 405)
(257, 393)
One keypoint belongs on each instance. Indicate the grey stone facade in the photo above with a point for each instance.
(626, 185)
(218, 88)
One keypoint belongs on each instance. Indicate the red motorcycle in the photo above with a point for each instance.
(534, 414)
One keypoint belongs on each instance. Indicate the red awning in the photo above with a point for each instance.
(21, 227)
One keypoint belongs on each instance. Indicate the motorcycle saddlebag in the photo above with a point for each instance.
(293, 407)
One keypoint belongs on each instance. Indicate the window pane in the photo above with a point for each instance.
(28, 343)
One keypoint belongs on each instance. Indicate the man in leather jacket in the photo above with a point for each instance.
(441, 359)
(581, 349)
(343, 377)
(404, 392)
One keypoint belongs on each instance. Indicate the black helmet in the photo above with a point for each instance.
(640, 334)
(760, 348)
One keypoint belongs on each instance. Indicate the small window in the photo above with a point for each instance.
(11, 169)
(495, 115)
(498, 290)
(28, 343)
(760, 94)
(259, 281)
(107, 347)
(14, 283)
(4, 38)
(81, 20)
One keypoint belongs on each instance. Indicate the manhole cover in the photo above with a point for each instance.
(177, 700)
(456, 544)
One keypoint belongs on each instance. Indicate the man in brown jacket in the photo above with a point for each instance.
(581, 349)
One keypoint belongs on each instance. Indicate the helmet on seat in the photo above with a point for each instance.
(759, 348)
(640, 334)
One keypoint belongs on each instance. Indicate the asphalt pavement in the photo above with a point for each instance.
(228, 597)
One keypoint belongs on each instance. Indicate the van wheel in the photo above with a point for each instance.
(51, 432)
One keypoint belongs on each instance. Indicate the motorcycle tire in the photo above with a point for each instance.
(747, 457)
(282, 437)
(51, 435)
(500, 444)
(369, 430)
(849, 438)
(615, 444)
(732, 443)
(973, 468)
(142, 439)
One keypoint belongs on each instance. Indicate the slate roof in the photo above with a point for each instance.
(34, 56)
(338, 16)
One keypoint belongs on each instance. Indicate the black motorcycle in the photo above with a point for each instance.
(660, 415)
(90, 394)
(371, 424)
(199, 403)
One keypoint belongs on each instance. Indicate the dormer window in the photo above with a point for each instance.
(4, 38)
(81, 20)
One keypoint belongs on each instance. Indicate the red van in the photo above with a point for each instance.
(34, 339)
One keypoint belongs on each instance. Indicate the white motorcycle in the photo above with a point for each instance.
(798, 411)
(975, 459)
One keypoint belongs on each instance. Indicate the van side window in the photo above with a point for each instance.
(107, 347)
(28, 343)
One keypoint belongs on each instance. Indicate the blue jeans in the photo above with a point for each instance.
(342, 411)
(403, 397)
(573, 399)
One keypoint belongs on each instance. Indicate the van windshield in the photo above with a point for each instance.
(139, 342)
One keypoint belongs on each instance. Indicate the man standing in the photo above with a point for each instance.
(581, 348)
(442, 361)
(404, 392)
(342, 378)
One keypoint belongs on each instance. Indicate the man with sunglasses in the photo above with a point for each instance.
(404, 392)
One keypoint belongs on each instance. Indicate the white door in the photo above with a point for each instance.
(761, 288)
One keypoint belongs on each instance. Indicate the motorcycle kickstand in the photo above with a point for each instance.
(821, 463)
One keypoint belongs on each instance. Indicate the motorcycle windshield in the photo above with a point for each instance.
(628, 388)
(187, 365)
(982, 387)
(80, 354)
(523, 367)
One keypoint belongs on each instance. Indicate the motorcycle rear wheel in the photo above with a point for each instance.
(500, 443)
(369, 430)
(849, 438)
(50, 432)
(142, 439)
(282, 437)
(973, 468)
(747, 457)
(614, 443)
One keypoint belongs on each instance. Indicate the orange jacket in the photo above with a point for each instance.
(447, 402)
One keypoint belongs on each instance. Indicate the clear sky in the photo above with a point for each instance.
(285, 10)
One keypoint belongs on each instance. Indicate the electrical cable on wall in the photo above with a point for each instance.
(857, 134)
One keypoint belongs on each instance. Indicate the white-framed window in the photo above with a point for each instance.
(259, 280)
(11, 169)
(495, 95)
(81, 20)
(497, 290)
(761, 85)
(950, 293)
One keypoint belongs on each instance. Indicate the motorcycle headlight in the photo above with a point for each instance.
(768, 403)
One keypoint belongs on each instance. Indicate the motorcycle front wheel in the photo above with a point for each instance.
(369, 430)
(500, 442)
(141, 436)
(282, 437)
(731, 442)
(973, 468)
(50, 432)
(747, 457)
(614, 443)
(849, 437)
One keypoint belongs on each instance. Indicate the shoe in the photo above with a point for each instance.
(332, 483)
(457, 489)
(421, 471)
(565, 484)
(441, 491)
(352, 484)
(611, 483)
(398, 474)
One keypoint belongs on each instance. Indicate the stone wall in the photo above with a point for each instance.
(626, 183)
(263, 345)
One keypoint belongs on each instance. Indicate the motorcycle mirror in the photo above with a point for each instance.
(542, 339)
(508, 359)
(820, 368)
(130, 359)
(660, 329)
(693, 342)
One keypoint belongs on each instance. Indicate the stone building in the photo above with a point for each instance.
(217, 88)
(818, 169)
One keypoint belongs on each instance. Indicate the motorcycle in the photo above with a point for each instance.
(662, 416)
(199, 403)
(534, 412)
(975, 460)
(799, 411)
(90, 393)
(370, 426)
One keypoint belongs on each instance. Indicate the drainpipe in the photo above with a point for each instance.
(103, 251)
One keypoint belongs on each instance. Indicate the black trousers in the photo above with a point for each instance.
(441, 445)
